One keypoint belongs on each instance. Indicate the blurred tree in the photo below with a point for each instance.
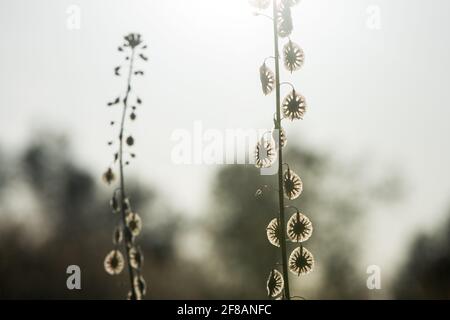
(66, 192)
(77, 230)
(426, 271)
(77, 224)
(335, 198)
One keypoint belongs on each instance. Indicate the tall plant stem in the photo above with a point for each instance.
(122, 178)
(280, 157)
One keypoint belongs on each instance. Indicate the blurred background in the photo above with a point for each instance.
(372, 151)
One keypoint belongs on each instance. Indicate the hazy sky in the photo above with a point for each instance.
(379, 95)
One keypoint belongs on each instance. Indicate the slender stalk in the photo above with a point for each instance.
(122, 178)
(280, 157)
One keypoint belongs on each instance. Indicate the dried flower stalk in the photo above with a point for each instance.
(129, 224)
(298, 228)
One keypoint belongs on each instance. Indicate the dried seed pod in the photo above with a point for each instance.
(130, 141)
(267, 78)
(109, 176)
(134, 223)
(284, 19)
(301, 261)
(275, 283)
(114, 262)
(299, 227)
(265, 153)
(293, 56)
(274, 232)
(294, 106)
(292, 185)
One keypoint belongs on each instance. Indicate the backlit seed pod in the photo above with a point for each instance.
(299, 227)
(293, 56)
(292, 185)
(130, 141)
(265, 153)
(294, 106)
(273, 232)
(114, 262)
(134, 223)
(301, 261)
(109, 176)
(267, 79)
(275, 283)
(284, 19)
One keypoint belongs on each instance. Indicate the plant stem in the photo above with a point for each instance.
(122, 178)
(280, 157)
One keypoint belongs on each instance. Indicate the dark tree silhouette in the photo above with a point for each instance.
(72, 205)
(426, 271)
(237, 220)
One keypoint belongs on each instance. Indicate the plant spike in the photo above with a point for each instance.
(130, 224)
(280, 155)
(290, 185)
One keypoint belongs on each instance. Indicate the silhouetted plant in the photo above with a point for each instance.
(269, 152)
(129, 224)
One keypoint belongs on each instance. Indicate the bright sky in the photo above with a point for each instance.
(377, 94)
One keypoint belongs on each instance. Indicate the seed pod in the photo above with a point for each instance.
(130, 141)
